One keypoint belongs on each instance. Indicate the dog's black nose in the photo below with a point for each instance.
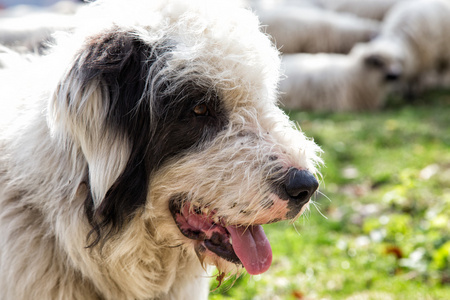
(299, 186)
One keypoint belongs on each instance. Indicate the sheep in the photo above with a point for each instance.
(413, 41)
(311, 30)
(371, 9)
(332, 82)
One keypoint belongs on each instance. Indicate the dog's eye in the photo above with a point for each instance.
(201, 110)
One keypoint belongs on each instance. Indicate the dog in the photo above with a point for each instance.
(145, 147)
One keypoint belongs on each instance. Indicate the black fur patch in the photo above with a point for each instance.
(157, 131)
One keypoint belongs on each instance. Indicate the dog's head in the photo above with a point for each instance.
(177, 119)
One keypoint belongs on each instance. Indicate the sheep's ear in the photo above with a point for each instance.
(99, 104)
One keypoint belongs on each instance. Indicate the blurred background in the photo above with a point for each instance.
(369, 81)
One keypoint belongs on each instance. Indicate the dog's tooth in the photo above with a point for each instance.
(205, 210)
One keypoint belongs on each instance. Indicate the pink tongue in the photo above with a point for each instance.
(252, 247)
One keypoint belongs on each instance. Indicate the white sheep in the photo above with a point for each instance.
(331, 82)
(414, 42)
(311, 30)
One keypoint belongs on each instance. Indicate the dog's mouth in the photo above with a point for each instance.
(239, 244)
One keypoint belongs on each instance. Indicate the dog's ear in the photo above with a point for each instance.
(99, 103)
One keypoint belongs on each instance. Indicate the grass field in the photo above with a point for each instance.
(383, 229)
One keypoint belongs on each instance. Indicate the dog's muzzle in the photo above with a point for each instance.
(245, 243)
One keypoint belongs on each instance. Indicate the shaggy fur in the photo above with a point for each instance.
(132, 154)
(301, 29)
(10, 58)
(414, 40)
(331, 82)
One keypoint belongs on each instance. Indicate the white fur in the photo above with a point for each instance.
(56, 147)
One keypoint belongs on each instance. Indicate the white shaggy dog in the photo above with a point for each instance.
(302, 29)
(414, 40)
(10, 58)
(331, 82)
(148, 145)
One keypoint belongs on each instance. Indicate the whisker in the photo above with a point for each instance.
(322, 194)
(316, 205)
(296, 229)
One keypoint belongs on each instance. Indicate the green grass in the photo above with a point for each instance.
(383, 230)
